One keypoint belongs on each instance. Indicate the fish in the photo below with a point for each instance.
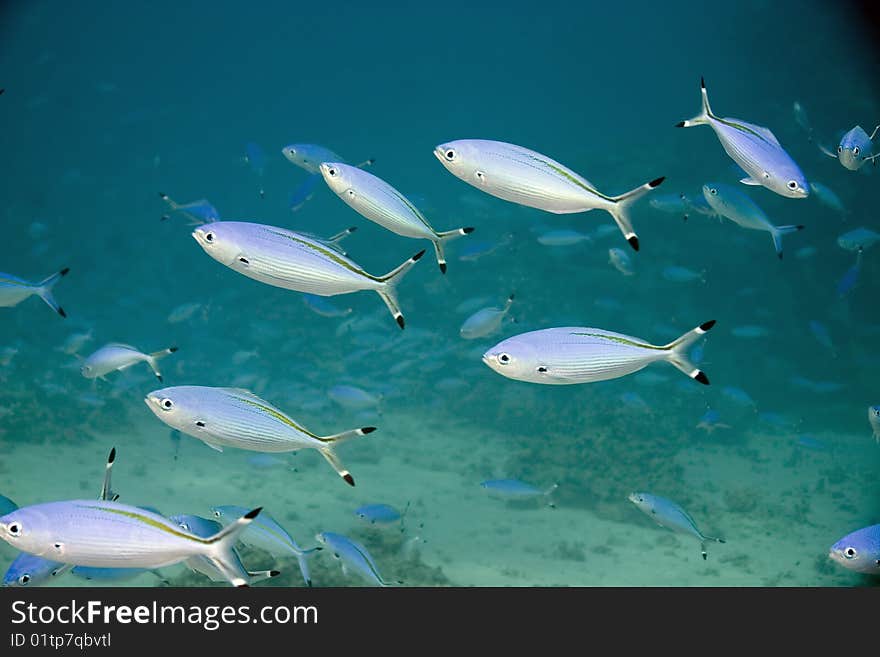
(800, 117)
(827, 197)
(325, 308)
(569, 355)
(107, 534)
(185, 311)
(820, 332)
(737, 396)
(108, 574)
(352, 397)
(859, 551)
(378, 514)
(6, 505)
(526, 177)
(31, 570)
(266, 534)
(309, 156)
(710, 421)
(619, 259)
(562, 237)
(743, 211)
(14, 290)
(75, 342)
(353, 556)
(750, 331)
(516, 489)
(850, 277)
(204, 527)
(678, 274)
(874, 420)
(199, 212)
(474, 250)
(294, 261)
(858, 238)
(819, 387)
(485, 321)
(376, 200)
(754, 148)
(667, 513)
(233, 417)
(117, 356)
(855, 149)
(304, 193)
(805, 252)
(809, 442)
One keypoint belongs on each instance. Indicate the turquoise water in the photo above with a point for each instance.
(107, 105)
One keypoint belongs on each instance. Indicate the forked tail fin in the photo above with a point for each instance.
(677, 352)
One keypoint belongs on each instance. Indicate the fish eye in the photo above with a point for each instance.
(792, 184)
(331, 172)
(209, 237)
(713, 192)
(14, 529)
(767, 174)
(504, 359)
(218, 513)
(167, 404)
(24, 579)
(449, 154)
(855, 150)
(840, 149)
(850, 553)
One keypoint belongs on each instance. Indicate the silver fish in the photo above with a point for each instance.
(373, 198)
(569, 355)
(667, 513)
(118, 356)
(827, 197)
(353, 555)
(621, 261)
(874, 419)
(743, 211)
(14, 290)
(855, 148)
(295, 261)
(485, 321)
(524, 176)
(108, 534)
(756, 150)
(232, 417)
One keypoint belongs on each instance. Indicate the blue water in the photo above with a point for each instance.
(107, 105)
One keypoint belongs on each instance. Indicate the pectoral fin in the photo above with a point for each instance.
(749, 181)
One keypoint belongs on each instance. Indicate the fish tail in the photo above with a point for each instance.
(261, 575)
(708, 539)
(622, 203)
(338, 237)
(548, 493)
(705, 111)
(155, 356)
(388, 291)
(106, 489)
(44, 290)
(779, 232)
(220, 549)
(445, 236)
(171, 204)
(328, 452)
(302, 558)
(509, 302)
(677, 352)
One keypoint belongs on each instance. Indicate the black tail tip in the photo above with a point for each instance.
(418, 255)
(801, 227)
(702, 378)
(274, 573)
(112, 456)
(705, 556)
(680, 124)
(702, 82)
(250, 515)
(64, 271)
(780, 255)
(468, 230)
(159, 376)
(61, 311)
(348, 479)
(442, 267)
(242, 586)
(351, 229)
(656, 182)
(705, 326)
(400, 322)
(172, 349)
(633, 242)
(366, 430)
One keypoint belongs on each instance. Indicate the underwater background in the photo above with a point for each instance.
(107, 105)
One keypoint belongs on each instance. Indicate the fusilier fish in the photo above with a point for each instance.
(232, 417)
(353, 556)
(14, 290)
(118, 356)
(756, 150)
(562, 237)
(379, 202)
(574, 354)
(621, 261)
(740, 209)
(485, 321)
(295, 261)
(199, 212)
(667, 513)
(858, 239)
(31, 570)
(874, 419)
(856, 147)
(528, 178)
(859, 551)
(378, 514)
(106, 534)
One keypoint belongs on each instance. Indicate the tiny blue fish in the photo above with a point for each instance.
(264, 461)
(302, 194)
(678, 274)
(107, 574)
(809, 442)
(850, 277)
(711, 420)
(737, 395)
(750, 331)
(859, 551)
(378, 514)
(634, 400)
(324, 307)
(199, 212)
(353, 397)
(820, 332)
(31, 570)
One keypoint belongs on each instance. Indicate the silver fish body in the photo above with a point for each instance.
(14, 290)
(856, 148)
(667, 513)
(232, 417)
(570, 355)
(526, 177)
(294, 261)
(756, 150)
(309, 156)
(353, 556)
(485, 321)
(376, 200)
(118, 356)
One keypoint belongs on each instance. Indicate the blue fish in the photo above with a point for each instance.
(321, 306)
(108, 574)
(737, 395)
(378, 514)
(855, 149)
(821, 334)
(31, 570)
(516, 489)
(353, 556)
(302, 194)
(199, 212)
(850, 277)
(859, 551)
(809, 442)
